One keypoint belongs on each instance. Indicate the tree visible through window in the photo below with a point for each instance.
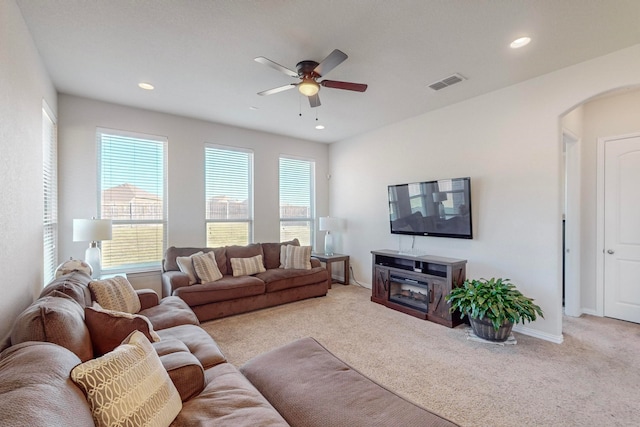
(297, 194)
(132, 189)
(229, 196)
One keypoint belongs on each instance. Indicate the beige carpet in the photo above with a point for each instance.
(592, 379)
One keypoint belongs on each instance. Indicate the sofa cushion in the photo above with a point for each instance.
(54, 319)
(129, 385)
(185, 263)
(247, 266)
(206, 268)
(35, 389)
(197, 340)
(225, 289)
(109, 328)
(115, 294)
(279, 278)
(171, 311)
(184, 369)
(271, 253)
(75, 284)
(235, 251)
(298, 258)
(228, 400)
(306, 383)
(170, 263)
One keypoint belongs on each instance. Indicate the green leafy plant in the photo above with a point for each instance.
(496, 299)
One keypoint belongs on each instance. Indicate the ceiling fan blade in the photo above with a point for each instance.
(276, 66)
(277, 89)
(334, 59)
(314, 100)
(357, 87)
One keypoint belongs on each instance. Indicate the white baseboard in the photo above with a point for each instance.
(557, 339)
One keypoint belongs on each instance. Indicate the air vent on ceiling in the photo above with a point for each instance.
(448, 81)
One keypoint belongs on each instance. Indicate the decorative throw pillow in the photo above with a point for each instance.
(109, 328)
(116, 294)
(129, 386)
(247, 266)
(298, 257)
(185, 264)
(206, 267)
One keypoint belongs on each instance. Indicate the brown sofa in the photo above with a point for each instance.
(300, 384)
(50, 338)
(239, 294)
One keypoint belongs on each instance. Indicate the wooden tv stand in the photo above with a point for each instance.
(417, 285)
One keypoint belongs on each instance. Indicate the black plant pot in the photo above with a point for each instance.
(483, 328)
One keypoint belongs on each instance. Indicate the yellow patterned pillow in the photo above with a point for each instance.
(298, 257)
(116, 294)
(247, 266)
(129, 386)
(206, 267)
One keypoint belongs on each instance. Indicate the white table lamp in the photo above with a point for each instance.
(92, 230)
(328, 224)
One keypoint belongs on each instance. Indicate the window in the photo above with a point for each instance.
(297, 195)
(132, 193)
(50, 186)
(229, 196)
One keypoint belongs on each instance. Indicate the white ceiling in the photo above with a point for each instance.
(199, 54)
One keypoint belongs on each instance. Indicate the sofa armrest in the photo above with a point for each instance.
(315, 262)
(148, 298)
(172, 280)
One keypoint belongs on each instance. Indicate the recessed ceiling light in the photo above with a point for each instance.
(319, 127)
(145, 86)
(518, 43)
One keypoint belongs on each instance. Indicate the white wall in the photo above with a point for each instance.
(79, 118)
(24, 84)
(509, 143)
(610, 116)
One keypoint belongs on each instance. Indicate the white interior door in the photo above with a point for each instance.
(622, 229)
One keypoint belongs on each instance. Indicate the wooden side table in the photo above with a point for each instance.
(329, 259)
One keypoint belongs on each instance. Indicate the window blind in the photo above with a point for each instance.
(50, 187)
(132, 193)
(297, 195)
(229, 196)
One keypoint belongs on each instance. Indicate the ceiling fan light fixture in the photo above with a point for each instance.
(308, 87)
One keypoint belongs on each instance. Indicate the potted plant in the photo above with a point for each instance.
(493, 307)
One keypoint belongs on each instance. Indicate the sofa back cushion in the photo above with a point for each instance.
(247, 251)
(54, 319)
(272, 253)
(35, 389)
(172, 253)
(75, 284)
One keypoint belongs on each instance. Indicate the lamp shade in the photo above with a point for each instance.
(308, 87)
(328, 223)
(91, 230)
(440, 196)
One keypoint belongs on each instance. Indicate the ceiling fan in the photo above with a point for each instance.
(308, 73)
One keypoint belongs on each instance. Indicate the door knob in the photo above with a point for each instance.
(611, 251)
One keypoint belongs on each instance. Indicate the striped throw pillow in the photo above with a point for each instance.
(206, 267)
(247, 266)
(129, 386)
(298, 257)
(116, 294)
(185, 264)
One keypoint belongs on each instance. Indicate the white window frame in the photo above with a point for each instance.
(133, 266)
(249, 220)
(50, 192)
(312, 196)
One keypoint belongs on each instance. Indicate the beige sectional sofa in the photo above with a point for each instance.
(238, 294)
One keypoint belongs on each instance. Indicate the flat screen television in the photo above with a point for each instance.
(432, 208)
